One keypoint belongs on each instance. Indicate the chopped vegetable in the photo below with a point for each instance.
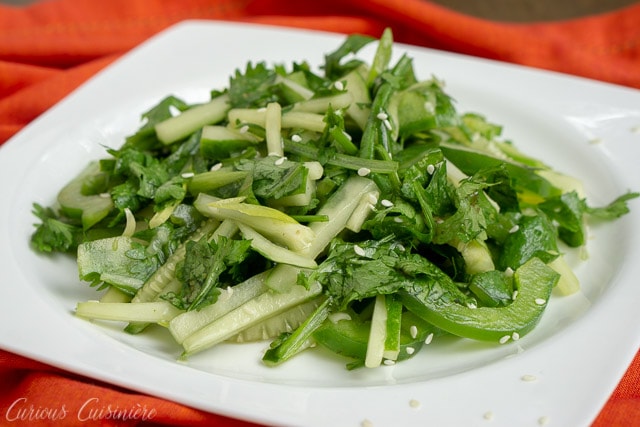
(354, 208)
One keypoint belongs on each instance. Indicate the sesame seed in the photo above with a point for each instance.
(339, 86)
(515, 336)
(296, 138)
(431, 169)
(410, 350)
(387, 124)
(540, 301)
(414, 403)
(543, 420)
(358, 250)
(413, 330)
(373, 198)
(514, 229)
(280, 161)
(504, 339)
(244, 129)
(364, 171)
(514, 295)
(488, 415)
(347, 135)
(386, 203)
(528, 378)
(508, 271)
(389, 362)
(366, 423)
(429, 338)
(382, 116)
(216, 167)
(397, 219)
(188, 175)
(472, 305)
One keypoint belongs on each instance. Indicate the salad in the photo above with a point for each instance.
(353, 208)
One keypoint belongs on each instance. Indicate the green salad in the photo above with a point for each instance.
(353, 208)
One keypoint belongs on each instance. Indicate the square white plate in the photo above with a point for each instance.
(577, 354)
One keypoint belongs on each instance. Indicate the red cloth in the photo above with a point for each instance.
(51, 47)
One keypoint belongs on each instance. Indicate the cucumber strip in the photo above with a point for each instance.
(321, 105)
(282, 323)
(189, 322)
(303, 120)
(274, 252)
(377, 333)
(148, 312)
(273, 127)
(251, 313)
(178, 127)
(91, 209)
(339, 208)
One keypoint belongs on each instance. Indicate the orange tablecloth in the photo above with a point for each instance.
(48, 49)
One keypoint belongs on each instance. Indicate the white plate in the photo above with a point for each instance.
(578, 353)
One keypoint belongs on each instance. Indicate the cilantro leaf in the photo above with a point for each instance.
(253, 88)
(52, 234)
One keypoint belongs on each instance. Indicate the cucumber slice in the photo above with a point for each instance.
(90, 209)
(220, 142)
(276, 325)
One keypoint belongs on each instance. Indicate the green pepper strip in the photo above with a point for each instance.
(534, 281)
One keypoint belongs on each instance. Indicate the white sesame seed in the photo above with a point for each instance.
(543, 420)
(508, 272)
(413, 330)
(414, 403)
(514, 229)
(528, 378)
(540, 301)
(431, 169)
(488, 415)
(244, 129)
(514, 295)
(364, 171)
(389, 362)
(382, 116)
(339, 86)
(366, 423)
(296, 138)
(280, 161)
(397, 219)
(347, 135)
(504, 339)
(358, 250)
(410, 350)
(387, 124)
(386, 203)
(472, 305)
(216, 167)
(515, 336)
(188, 175)
(429, 338)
